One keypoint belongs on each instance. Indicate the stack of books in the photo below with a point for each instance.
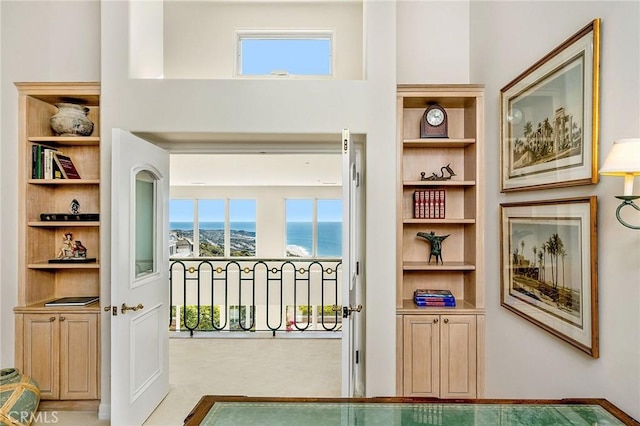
(425, 297)
(429, 204)
(49, 163)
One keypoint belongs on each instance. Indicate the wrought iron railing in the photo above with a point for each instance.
(210, 295)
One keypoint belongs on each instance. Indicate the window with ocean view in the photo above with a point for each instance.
(221, 228)
(313, 227)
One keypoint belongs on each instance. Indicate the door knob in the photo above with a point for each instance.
(126, 308)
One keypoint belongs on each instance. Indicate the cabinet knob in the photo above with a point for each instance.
(446, 320)
(62, 318)
(435, 320)
(52, 319)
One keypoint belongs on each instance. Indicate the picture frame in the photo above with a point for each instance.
(550, 118)
(549, 267)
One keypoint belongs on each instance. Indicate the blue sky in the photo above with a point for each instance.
(245, 210)
(311, 56)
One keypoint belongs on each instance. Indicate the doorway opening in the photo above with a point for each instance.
(301, 366)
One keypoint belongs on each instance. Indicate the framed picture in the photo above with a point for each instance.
(549, 276)
(549, 118)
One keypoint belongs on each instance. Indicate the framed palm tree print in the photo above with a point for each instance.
(550, 118)
(549, 272)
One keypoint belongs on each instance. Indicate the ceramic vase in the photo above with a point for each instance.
(19, 398)
(71, 120)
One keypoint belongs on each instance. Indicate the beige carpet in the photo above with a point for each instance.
(252, 367)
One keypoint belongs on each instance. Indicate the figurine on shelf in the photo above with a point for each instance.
(443, 169)
(74, 207)
(67, 248)
(79, 250)
(436, 244)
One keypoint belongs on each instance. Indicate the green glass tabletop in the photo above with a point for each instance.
(393, 414)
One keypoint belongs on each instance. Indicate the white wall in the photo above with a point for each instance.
(523, 361)
(200, 36)
(270, 208)
(267, 106)
(41, 41)
(433, 41)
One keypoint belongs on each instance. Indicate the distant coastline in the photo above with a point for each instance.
(243, 238)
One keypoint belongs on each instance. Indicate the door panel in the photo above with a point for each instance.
(421, 350)
(140, 277)
(458, 356)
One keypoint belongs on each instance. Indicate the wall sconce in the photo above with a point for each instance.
(624, 160)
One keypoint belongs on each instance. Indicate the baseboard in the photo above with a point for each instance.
(69, 405)
(104, 411)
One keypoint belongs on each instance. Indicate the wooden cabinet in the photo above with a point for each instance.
(58, 345)
(440, 349)
(60, 351)
(439, 356)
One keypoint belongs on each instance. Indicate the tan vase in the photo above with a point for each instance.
(71, 120)
(19, 398)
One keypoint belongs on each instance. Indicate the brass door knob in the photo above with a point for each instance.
(126, 308)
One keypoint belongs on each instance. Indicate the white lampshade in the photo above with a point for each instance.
(623, 160)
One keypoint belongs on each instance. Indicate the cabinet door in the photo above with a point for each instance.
(420, 355)
(41, 352)
(458, 356)
(78, 356)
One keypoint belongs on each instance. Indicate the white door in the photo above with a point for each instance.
(139, 278)
(352, 365)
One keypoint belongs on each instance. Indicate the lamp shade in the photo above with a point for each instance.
(623, 159)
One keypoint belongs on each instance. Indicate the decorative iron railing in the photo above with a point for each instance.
(212, 295)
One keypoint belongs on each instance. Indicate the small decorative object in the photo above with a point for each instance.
(434, 122)
(436, 244)
(74, 207)
(66, 250)
(79, 250)
(549, 117)
(19, 398)
(442, 176)
(71, 120)
(549, 267)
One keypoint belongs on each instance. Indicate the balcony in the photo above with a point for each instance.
(227, 297)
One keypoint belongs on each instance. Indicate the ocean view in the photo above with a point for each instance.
(243, 236)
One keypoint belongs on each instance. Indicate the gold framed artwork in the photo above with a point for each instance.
(550, 118)
(549, 267)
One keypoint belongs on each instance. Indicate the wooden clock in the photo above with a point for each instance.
(434, 122)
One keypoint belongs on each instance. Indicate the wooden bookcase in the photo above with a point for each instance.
(438, 369)
(58, 347)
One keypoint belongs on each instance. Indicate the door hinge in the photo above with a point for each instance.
(357, 357)
(357, 268)
(357, 179)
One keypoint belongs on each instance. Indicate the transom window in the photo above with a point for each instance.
(285, 53)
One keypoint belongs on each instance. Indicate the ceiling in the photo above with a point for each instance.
(252, 159)
(256, 169)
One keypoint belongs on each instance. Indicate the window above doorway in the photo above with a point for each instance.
(284, 53)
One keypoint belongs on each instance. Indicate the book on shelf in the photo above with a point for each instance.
(429, 302)
(47, 162)
(67, 168)
(73, 301)
(429, 204)
(433, 293)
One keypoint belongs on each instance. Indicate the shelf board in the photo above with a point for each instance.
(66, 140)
(440, 221)
(39, 307)
(439, 183)
(61, 224)
(447, 266)
(64, 181)
(46, 265)
(439, 143)
(462, 306)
